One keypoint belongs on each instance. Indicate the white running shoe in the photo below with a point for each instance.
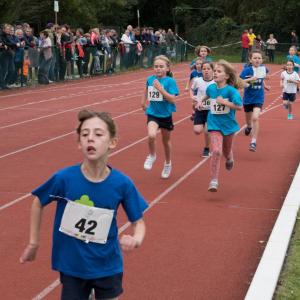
(166, 172)
(150, 159)
(213, 185)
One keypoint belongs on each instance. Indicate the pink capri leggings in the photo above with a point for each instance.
(219, 144)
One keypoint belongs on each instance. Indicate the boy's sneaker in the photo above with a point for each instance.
(213, 186)
(290, 117)
(247, 130)
(252, 147)
(150, 159)
(229, 164)
(205, 152)
(166, 172)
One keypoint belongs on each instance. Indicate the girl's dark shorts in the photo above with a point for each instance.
(166, 123)
(250, 107)
(200, 117)
(289, 97)
(74, 288)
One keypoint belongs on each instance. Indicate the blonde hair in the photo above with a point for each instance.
(233, 79)
(167, 61)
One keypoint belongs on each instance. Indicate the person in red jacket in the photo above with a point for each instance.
(245, 45)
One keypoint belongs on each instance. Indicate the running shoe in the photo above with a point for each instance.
(229, 164)
(166, 172)
(213, 186)
(205, 152)
(192, 117)
(290, 117)
(252, 147)
(247, 130)
(150, 159)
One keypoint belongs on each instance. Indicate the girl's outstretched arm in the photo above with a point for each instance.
(129, 242)
(30, 251)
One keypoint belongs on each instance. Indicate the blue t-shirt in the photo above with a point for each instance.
(162, 109)
(75, 257)
(255, 92)
(225, 123)
(296, 60)
(195, 74)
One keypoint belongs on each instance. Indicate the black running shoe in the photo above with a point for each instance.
(205, 152)
(247, 130)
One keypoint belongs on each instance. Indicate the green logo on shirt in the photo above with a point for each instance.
(85, 200)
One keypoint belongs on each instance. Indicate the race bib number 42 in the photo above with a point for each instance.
(90, 224)
(218, 109)
(154, 94)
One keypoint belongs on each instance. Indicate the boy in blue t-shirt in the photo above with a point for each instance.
(86, 249)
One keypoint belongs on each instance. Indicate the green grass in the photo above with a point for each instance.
(289, 282)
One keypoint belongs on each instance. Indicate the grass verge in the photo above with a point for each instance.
(288, 287)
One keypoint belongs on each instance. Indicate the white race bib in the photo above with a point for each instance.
(90, 224)
(154, 94)
(206, 104)
(260, 72)
(218, 109)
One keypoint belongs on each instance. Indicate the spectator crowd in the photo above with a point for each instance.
(62, 53)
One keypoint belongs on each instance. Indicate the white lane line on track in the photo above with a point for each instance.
(69, 133)
(111, 100)
(11, 203)
(58, 98)
(56, 283)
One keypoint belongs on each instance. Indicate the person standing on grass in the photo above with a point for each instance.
(221, 122)
(201, 107)
(86, 249)
(289, 81)
(271, 45)
(245, 46)
(253, 77)
(161, 91)
(251, 36)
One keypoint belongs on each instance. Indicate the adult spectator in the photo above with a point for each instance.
(294, 39)
(45, 47)
(80, 42)
(245, 46)
(259, 44)
(271, 45)
(251, 36)
(131, 33)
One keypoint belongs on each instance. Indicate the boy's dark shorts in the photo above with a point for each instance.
(200, 117)
(289, 97)
(74, 288)
(250, 107)
(166, 123)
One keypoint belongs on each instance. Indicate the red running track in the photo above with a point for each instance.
(198, 245)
